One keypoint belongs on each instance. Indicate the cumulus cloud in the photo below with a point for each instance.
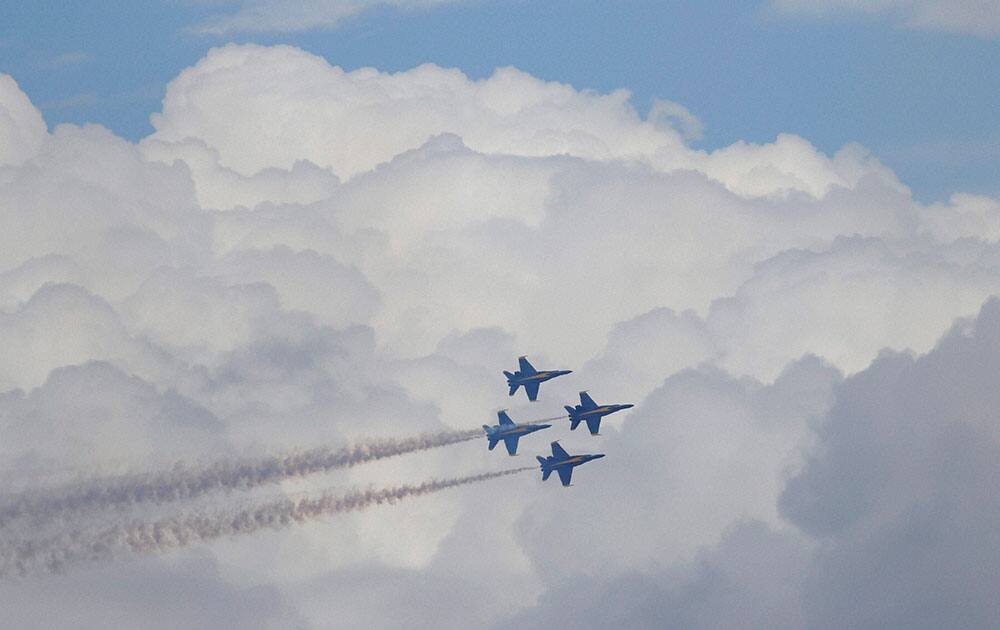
(701, 451)
(974, 17)
(750, 579)
(352, 121)
(22, 129)
(900, 491)
(887, 521)
(351, 255)
(190, 592)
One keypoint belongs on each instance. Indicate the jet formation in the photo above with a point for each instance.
(510, 432)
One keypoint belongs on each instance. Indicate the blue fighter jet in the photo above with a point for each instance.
(531, 378)
(588, 411)
(509, 432)
(563, 463)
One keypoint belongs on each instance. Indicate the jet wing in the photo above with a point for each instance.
(594, 424)
(504, 418)
(532, 390)
(565, 474)
(586, 401)
(511, 444)
(526, 368)
(559, 452)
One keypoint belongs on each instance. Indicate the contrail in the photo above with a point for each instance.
(55, 554)
(183, 482)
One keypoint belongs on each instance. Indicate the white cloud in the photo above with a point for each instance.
(704, 449)
(218, 287)
(67, 59)
(675, 114)
(62, 324)
(974, 17)
(22, 129)
(221, 188)
(352, 121)
(285, 16)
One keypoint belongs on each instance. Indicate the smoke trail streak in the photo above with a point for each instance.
(56, 554)
(553, 418)
(182, 482)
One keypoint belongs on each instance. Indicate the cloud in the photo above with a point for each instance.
(899, 490)
(22, 129)
(285, 16)
(701, 451)
(72, 102)
(68, 59)
(973, 17)
(350, 122)
(63, 324)
(145, 594)
(750, 578)
(886, 522)
(338, 256)
(222, 188)
(675, 114)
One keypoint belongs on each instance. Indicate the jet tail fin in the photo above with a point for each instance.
(569, 409)
(545, 470)
(574, 423)
(510, 381)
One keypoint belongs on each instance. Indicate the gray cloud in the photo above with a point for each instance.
(900, 489)
(149, 593)
(751, 580)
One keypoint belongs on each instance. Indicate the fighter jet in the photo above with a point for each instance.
(563, 463)
(588, 411)
(509, 432)
(531, 378)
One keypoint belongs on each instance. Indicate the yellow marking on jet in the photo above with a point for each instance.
(536, 376)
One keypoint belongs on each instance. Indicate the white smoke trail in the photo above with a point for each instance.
(55, 554)
(552, 419)
(183, 482)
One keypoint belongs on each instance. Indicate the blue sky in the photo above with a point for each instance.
(925, 102)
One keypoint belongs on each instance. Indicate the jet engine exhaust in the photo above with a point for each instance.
(58, 553)
(183, 482)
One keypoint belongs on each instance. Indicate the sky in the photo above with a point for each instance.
(262, 264)
(922, 98)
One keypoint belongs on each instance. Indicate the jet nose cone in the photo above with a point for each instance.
(628, 406)
(599, 456)
(544, 426)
